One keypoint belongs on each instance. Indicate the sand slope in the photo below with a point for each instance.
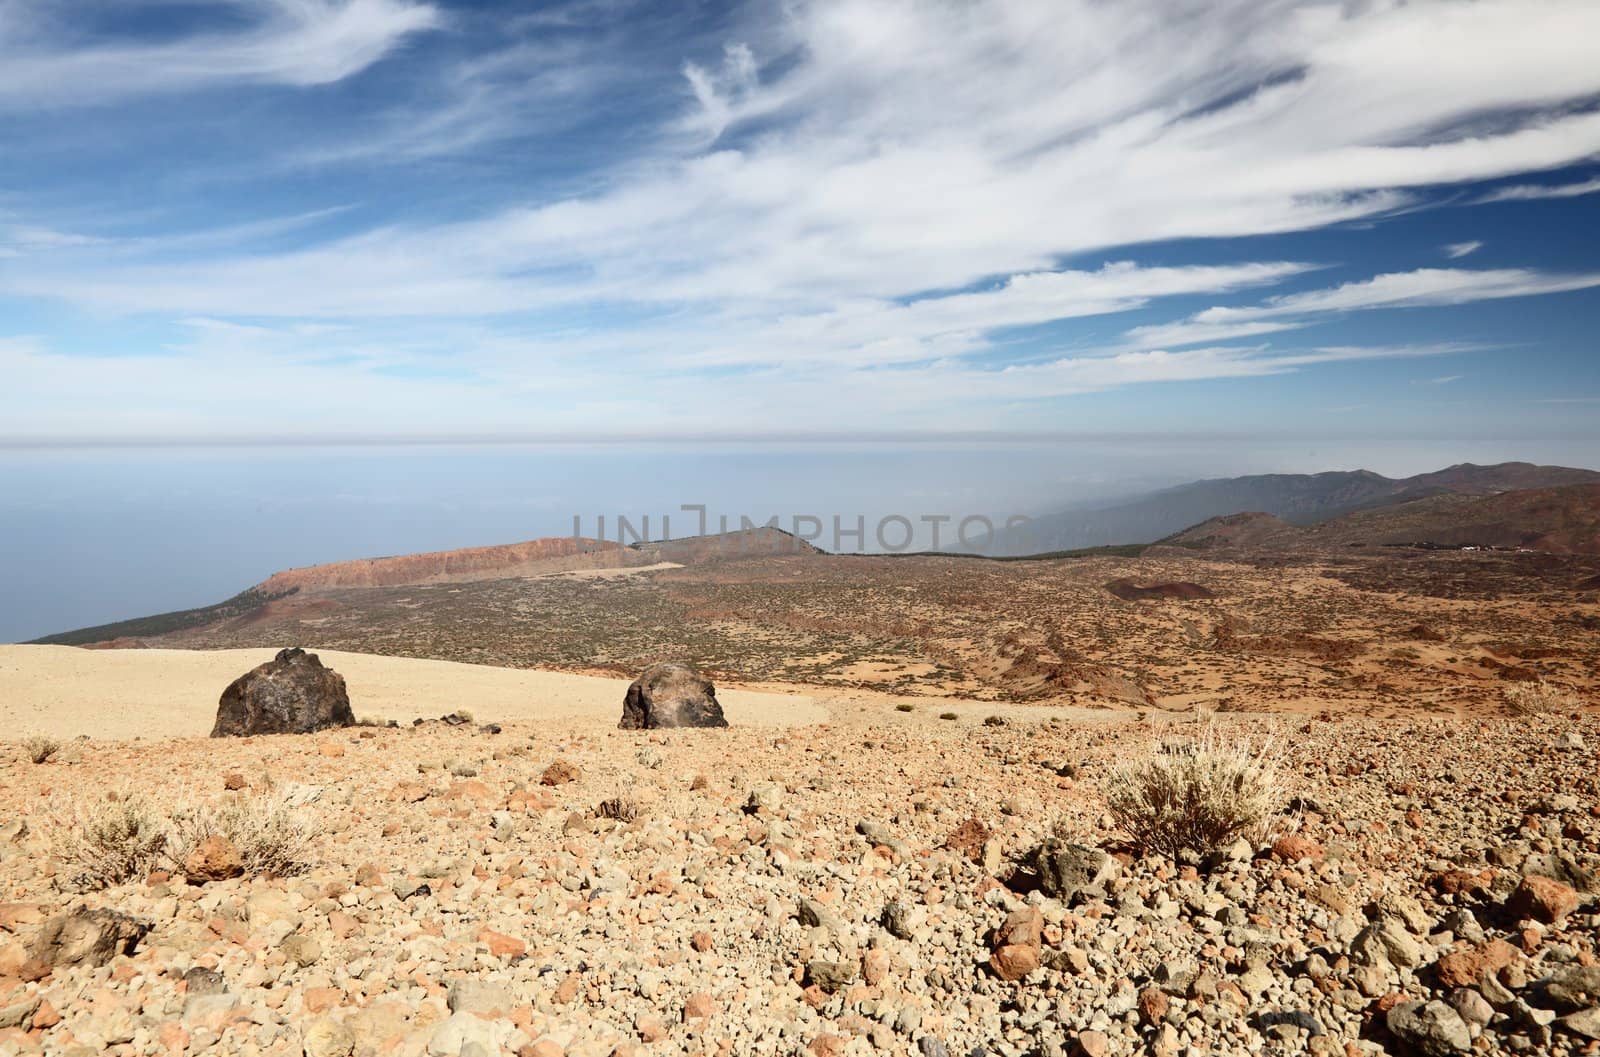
(65, 691)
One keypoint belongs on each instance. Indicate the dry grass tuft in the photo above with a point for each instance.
(40, 747)
(1538, 698)
(1201, 796)
(269, 834)
(622, 809)
(122, 838)
(107, 842)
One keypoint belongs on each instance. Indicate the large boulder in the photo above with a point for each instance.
(84, 937)
(671, 695)
(290, 694)
(1067, 871)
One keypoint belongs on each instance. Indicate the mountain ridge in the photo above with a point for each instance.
(1291, 501)
(1560, 520)
(1295, 498)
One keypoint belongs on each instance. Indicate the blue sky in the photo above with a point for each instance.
(389, 218)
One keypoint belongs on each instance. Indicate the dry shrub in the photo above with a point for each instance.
(1201, 795)
(268, 833)
(1537, 698)
(619, 808)
(107, 842)
(40, 747)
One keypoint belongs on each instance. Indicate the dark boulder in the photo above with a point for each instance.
(671, 695)
(290, 694)
(83, 937)
(1070, 870)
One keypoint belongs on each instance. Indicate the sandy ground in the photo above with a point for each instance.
(608, 574)
(64, 691)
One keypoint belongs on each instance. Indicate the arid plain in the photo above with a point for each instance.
(904, 843)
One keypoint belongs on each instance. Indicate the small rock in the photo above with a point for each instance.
(1091, 1044)
(470, 995)
(828, 975)
(1473, 1007)
(1542, 899)
(326, 1037)
(1573, 988)
(1153, 1005)
(1295, 848)
(213, 859)
(650, 1027)
(1466, 968)
(300, 949)
(1431, 1028)
(203, 981)
(1014, 961)
(1585, 1022)
(560, 772)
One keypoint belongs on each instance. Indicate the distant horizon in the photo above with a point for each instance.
(380, 276)
(101, 535)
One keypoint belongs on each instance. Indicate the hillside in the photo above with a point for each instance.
(1555, 520)
(1300, 499)
(529, 558)
(302, 591)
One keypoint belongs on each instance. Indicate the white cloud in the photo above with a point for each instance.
(313, 382)
(848, 207)
(1532, 192)
(899, 148)
(720, 92)
(43, 62)
(1423, 288)
(1457, 250)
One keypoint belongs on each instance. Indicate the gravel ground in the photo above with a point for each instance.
(872, 884)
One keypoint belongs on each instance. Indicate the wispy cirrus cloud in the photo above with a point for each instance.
(835, 194)
(1457, 250)
(1534, 192)
(1422, 288)
(50, 60)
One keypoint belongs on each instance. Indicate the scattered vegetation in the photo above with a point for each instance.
(904, 707)
(948, 715)
(1200, 795)
(268, 833)
(40, 748)
(123, 837)
(1537, 698)
(994, 721)
(1001, 631)
(107, 842)
(620, 808)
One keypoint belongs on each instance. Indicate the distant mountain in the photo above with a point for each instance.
(529, 558)
(1300, 499)
(1555, 520)
(541, 557)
